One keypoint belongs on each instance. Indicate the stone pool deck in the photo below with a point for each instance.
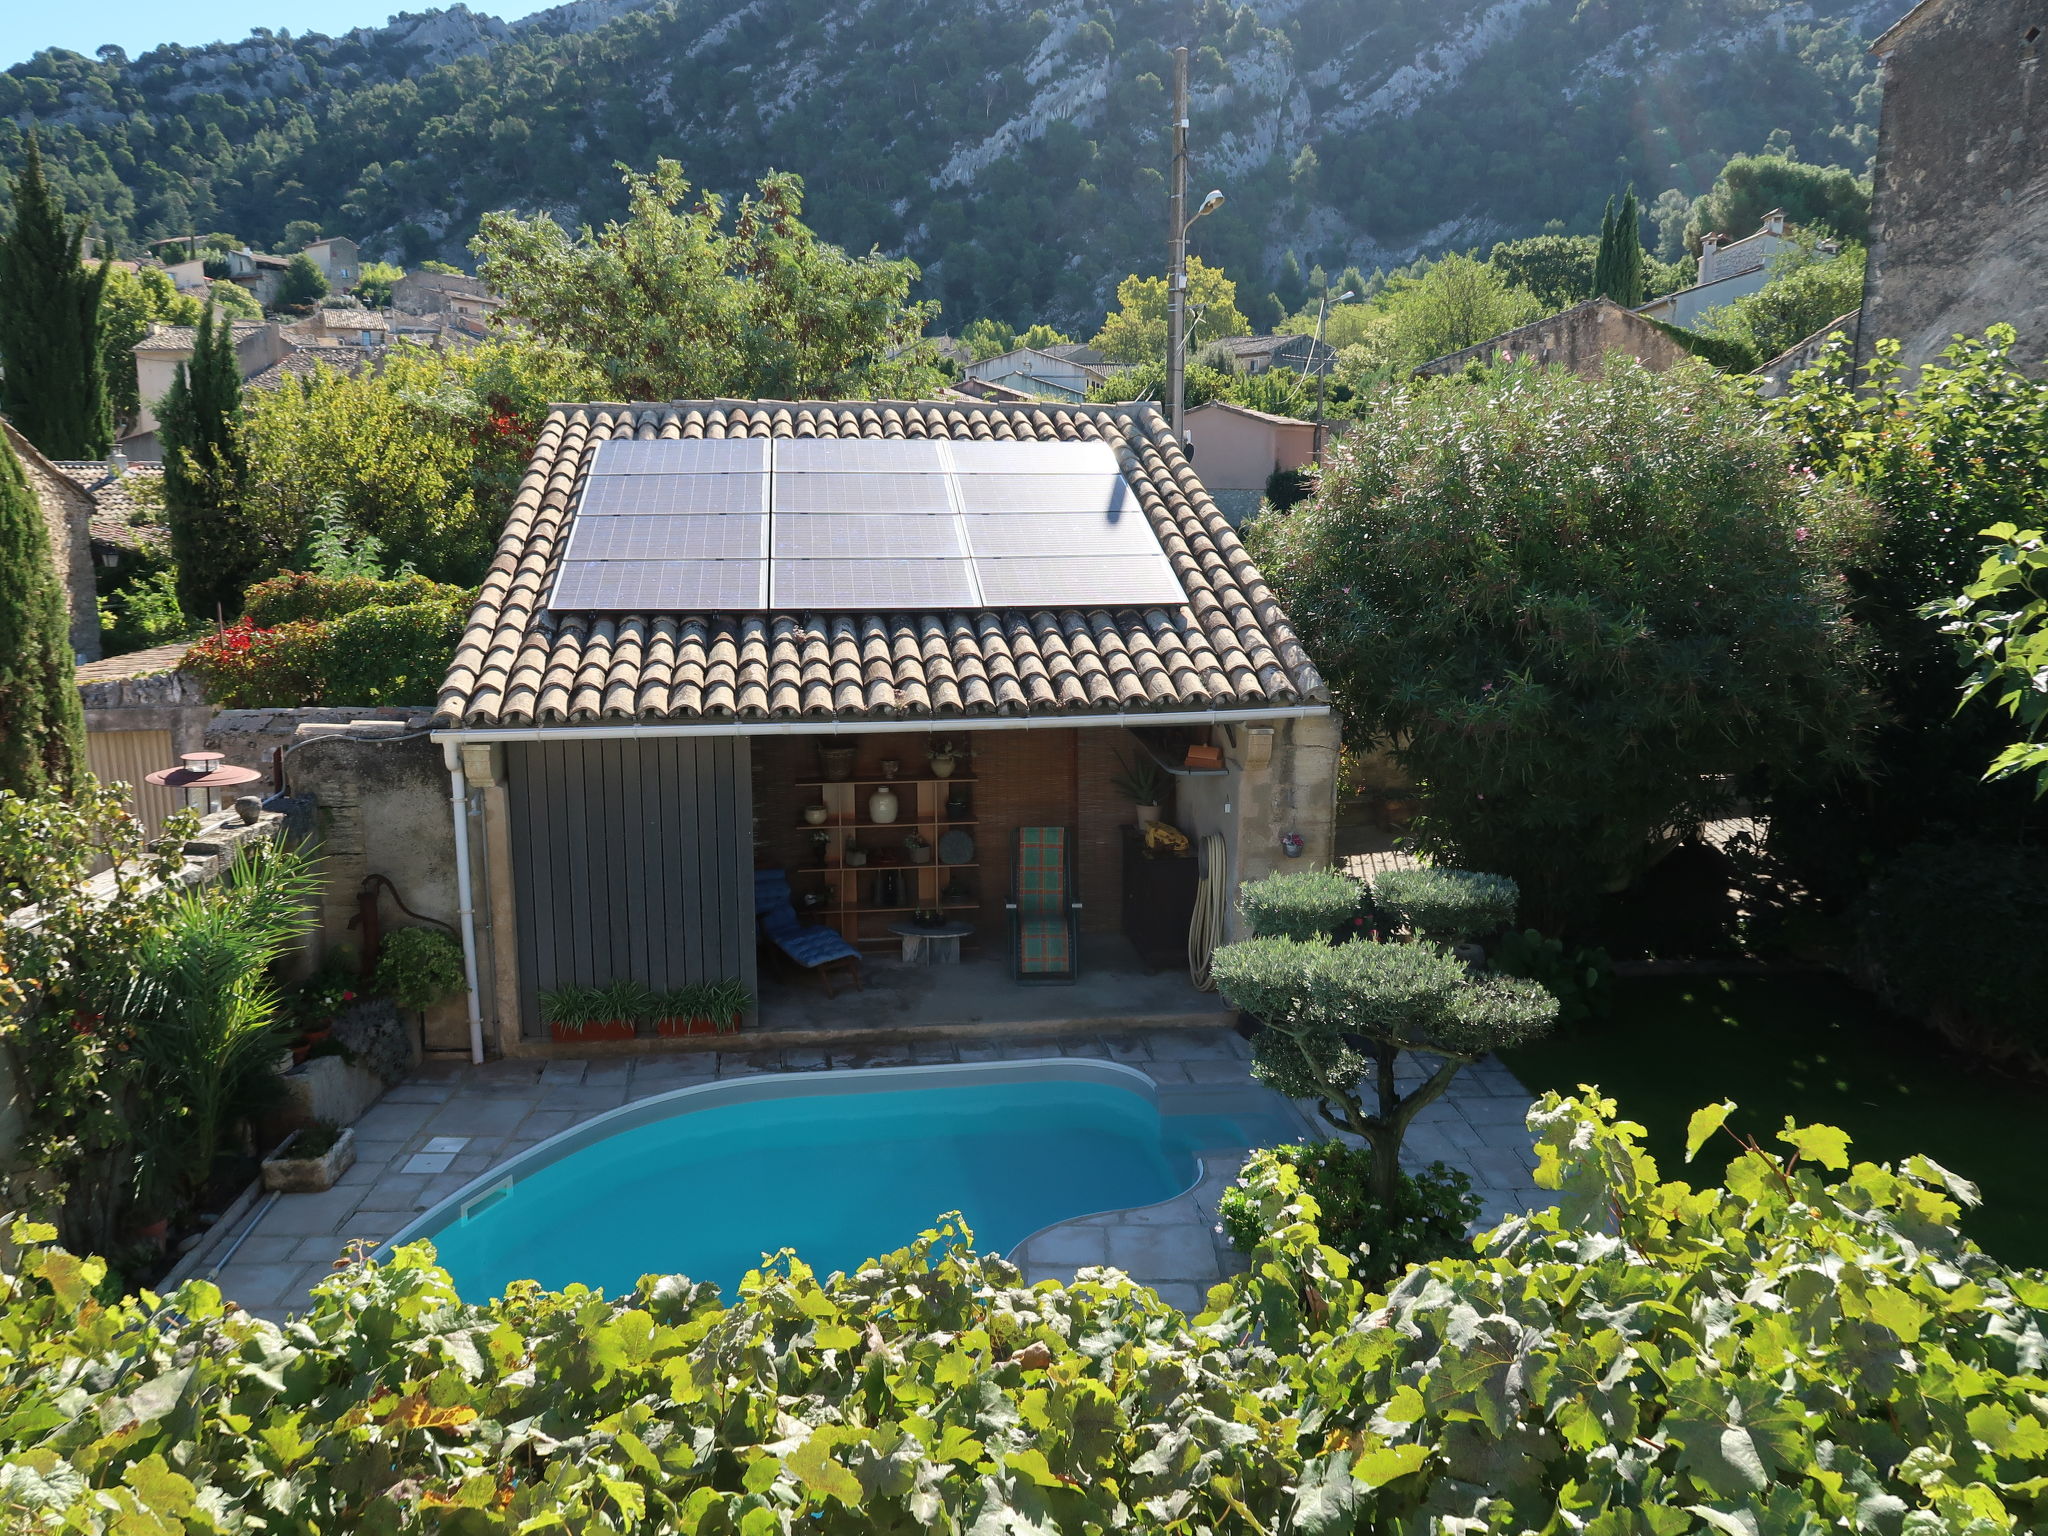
(432, 1134)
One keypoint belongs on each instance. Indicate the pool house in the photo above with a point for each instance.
(848, 702)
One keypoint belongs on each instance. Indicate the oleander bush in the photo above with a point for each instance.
(1812, 1348)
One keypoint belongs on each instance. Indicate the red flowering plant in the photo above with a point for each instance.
(246, 666)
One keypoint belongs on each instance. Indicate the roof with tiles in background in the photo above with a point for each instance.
(1228, 647)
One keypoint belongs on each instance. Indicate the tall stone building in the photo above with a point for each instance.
(1959, 211)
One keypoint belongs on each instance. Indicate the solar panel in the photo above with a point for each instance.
(800, 492)
(681, 456)
(1059, 533)
(867, 538)
(976, 458)
(1051, 581)
(696, 537)
(660, 586)
(858, 456)
(1045, 493)
(866, 584)
(667, 495)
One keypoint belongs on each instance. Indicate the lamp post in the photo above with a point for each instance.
(1177, 247)
(1322, 368)
(198, 774)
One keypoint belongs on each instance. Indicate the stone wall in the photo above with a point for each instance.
(1579, 340)
(67, 514)
(1959, 207)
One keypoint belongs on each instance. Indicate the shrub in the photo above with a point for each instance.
(1446, 903)
(1306, 904)
(1431, 1217)
(418, 967)
(368, 656)
(1580, 979)
(291, 596)
(1952, 933)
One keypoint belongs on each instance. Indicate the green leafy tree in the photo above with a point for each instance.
(1805, 292)
(1135, 331)
(42, 728)
(987, 338)
(1815, 197)
(1567, 605)
(670, 305)
(1459, 302)
(1290, 288)
(1043, 335)
(303, 284)
(1618, 265)
(300, 233)
(1339, 1017)
(1557, 269)
(53, 382)
(234, 301)
(206, 474)
(376, 281)
(2001, 619)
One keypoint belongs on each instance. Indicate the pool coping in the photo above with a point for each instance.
(827, 1083)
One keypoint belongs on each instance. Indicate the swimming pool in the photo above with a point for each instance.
(840, 1166)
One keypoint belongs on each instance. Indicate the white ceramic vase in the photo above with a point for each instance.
(882, 807)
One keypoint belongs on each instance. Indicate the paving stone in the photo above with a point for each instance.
(561, 1074)
(419, 1091)
(309, 1215)
(257, 1285)
(1226, 1070)
(1187, 1044)
(806, 1061)
(400, 1192)
(1491, 1111)
(372, 1226)
(386, 1121)
(1181, 1212)
(543, 1123)
(427, 1162)
(1132, 1048)
(855, 1058)
(1163, 1253)
(934, 1053)
(1181, 1294)
(322, 1249)
(1085, 1047)
(377, 1152)
(266, 1250)
(743, 1064)
(614, 1073)
(1164, 1071)
(586, 1100)
(483, 1117)
(470, 1164)
(1069, 1245)
(1499, 1168)
(979, 1050)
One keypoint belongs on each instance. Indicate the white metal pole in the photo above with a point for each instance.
(1177, 250)
(465, 893)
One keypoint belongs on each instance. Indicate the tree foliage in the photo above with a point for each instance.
(42, 728)
(1556, 269)
(1816, 197)
(130, 301)
(1135, 331)
(206, 471)
(2001, 620)
(1618, 264)
(53, 383)
(1458, 303)
(1567, 604)
(1804, 294)
(669, 304)
(1820, 1351)
(303, 284)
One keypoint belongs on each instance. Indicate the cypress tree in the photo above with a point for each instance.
(42, 727)
(53, 383)
(204, 473)
(1618, 269)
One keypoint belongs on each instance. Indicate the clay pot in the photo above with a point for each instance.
(882, 807)
(1146, 814)
(836, 763)
(815, 815)
(943, 764)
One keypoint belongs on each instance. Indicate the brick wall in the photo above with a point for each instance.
(1022, 778)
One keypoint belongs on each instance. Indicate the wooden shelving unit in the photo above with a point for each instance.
(921, 808)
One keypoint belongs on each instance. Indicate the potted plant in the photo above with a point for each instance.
(944, 759)
(576, 1013)
(726, 1003)
(918, 849)
(1145, 784)
(311, 1159)
(625, 1005)
(683, 1011)
(419, 967)
(835, 762)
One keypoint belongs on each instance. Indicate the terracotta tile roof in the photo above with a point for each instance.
(182, 338)
(1229, 647)
(304, 362)
(121, 515)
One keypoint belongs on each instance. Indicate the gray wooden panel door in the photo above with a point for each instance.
(631, 859)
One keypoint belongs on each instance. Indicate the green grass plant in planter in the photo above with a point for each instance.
(1453, 906)
(726, 1003)
(682, 1011)
(569, 1011)
(622, 1005)
(1430, 1218)
(1307, 904)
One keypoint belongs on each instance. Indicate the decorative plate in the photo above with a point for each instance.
(956, 847)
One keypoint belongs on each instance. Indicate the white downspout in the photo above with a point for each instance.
(465, 894)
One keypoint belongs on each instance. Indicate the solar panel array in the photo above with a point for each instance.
(818, 524)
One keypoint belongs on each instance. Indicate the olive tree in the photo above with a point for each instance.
(1338, 1016)
(1573, 609)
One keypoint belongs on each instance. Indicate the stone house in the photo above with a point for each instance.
(67, 513)
(1579, 339)
(339, 261)
(258, 345)
(1044, 373)
(1729, 270)
(1295, 353)
(455, 294)
(1959, 200)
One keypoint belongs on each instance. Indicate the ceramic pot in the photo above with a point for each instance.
(815, 815)
(836, 763)
(920, 855)
(882, 807)
(1147, 814)
(891, 767)
(856, 858)
(943, 764)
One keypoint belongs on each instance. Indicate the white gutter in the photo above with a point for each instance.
(832, 726)
(465, 895)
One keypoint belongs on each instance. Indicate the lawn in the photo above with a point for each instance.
(1814, 1048)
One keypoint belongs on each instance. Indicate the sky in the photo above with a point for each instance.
(139, 25)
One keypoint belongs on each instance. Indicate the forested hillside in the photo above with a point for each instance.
(1017, 154)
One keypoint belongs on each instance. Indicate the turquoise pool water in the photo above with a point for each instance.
(838, 1177)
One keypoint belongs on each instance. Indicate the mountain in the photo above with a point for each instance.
(1018, 154)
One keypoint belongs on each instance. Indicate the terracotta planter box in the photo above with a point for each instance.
(309, 1175)
(669, 1028)
(597, 1029)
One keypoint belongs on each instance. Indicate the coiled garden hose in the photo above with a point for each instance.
(1205, 931)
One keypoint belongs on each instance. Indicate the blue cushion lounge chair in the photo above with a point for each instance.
(1045, 925)
(811, 945)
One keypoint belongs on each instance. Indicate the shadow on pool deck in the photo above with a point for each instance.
(979, 996)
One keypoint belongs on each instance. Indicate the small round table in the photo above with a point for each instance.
(931, 946)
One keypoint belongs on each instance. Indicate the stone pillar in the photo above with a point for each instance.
(497, 931)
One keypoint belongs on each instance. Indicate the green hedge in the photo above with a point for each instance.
(371, 656)
(293, 596)
(1810, 1349)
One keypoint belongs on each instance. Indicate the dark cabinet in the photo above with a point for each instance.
(1158, 904)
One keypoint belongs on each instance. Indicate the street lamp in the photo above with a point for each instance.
(1177, 291)
(1322, 369)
